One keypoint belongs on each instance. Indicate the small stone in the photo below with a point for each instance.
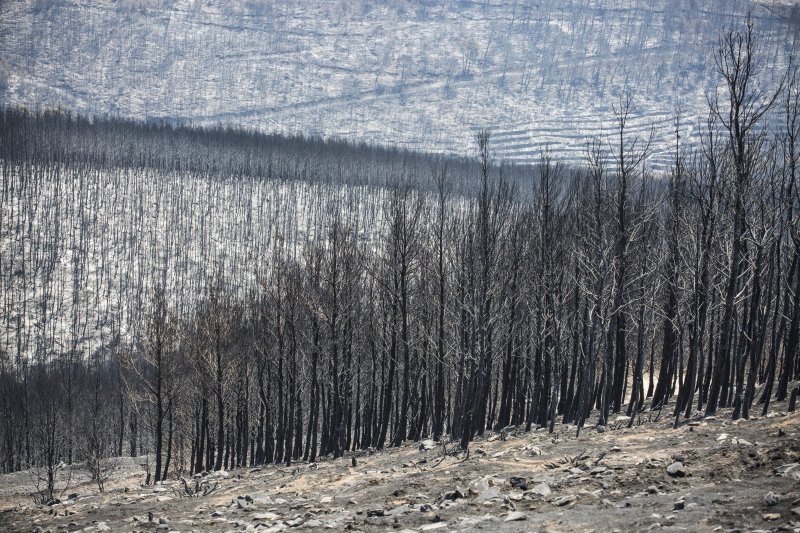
(425, 508)
(326, 499)
(652, 489)
(676, 469)
(565, 500)
(542, 489)
(243, 504)
(376, 512)
(455, 494)
(398, 511)
(597, 470)
(519, 482)
(431, 527)
(679, 505)
(601, 429)
(771, 499)
(295, 522)
(268, 517)
(515, 516)
(260, 499)
(163, 520)
(217, 514)
(314, 523)
(489, 494)
(102, 526)
(796, 511)
(427, 445)
(771, 516)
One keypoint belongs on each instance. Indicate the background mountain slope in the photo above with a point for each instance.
(418, 74)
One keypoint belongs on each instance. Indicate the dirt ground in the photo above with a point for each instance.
(741, 476)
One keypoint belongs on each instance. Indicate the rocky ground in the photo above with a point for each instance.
(709, 474)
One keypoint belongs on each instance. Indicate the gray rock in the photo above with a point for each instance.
(565, 500)
(514, 516)
(542, 489)
(427, 445)
(399, 510)
(269, 517)
(488, 494)
(102, 526)
(260, 499)
(295, 522)
(679, 505)
(431, 527)
(241, 503)
(676, 469)
(771, 499)
(455, 494)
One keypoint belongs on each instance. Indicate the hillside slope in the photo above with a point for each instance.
(419, 74)
(734, 476)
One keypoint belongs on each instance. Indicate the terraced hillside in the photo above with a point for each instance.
(418, 74)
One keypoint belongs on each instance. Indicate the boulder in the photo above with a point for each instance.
(676, 469)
